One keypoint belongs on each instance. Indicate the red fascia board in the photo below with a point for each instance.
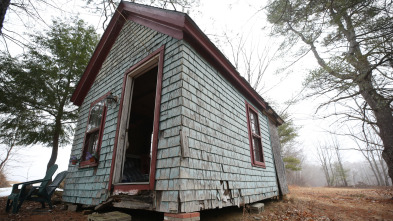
(164, 21)
(167, 22)
(161, 16)
(98, 57)
(153, 24)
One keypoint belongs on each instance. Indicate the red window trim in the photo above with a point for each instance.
(251, 135)
(87, 163)
(130, 187)
(152, 179)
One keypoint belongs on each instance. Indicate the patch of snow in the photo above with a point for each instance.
(6, 191)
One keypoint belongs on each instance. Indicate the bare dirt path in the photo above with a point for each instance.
(303, 203)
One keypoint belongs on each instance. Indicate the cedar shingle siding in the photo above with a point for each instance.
(215, 123)
(135, 42)
(203, 157)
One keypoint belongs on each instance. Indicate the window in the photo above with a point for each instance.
(257, 156)
(93, 135)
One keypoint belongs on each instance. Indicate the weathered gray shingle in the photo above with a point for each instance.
(203, 156)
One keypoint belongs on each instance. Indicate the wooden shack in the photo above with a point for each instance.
(166, 123)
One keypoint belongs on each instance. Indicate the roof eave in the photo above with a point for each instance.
(99, 55)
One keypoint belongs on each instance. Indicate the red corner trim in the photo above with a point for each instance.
(156, 125)
(117, 132)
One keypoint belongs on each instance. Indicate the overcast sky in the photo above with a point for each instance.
(215, 18)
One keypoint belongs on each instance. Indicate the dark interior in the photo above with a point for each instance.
(138, 154)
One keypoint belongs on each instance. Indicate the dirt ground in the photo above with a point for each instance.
(303, 203)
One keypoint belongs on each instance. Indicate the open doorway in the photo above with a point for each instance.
(135, 148)
(138, 151)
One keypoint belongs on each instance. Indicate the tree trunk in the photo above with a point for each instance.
(385, 125)
(379, 104)
(11, 144)
(7, 155)
(385, 175)
(384, 118)
(55, 147)
(4, 4)
(387, 155)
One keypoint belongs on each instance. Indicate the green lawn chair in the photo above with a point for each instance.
(44, 195)
(17, 195)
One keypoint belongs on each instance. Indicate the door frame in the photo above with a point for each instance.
(152, 60)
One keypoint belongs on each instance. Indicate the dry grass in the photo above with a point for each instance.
(303, 203)
(3, 180)
(322, 203)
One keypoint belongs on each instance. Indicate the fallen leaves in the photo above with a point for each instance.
(322, 203)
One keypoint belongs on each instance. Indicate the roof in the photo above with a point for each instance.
(178, 25)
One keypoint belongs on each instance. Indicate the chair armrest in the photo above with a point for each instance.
(15, 186)
(32, 182)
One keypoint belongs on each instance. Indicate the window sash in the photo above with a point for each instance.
(255, 138)
(95, 118)
(93, 134)
(257, 146)
(91, 143)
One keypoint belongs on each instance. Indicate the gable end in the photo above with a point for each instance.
(177, 25)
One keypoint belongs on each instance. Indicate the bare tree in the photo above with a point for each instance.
(8, 150)
(325, 158)
(8, 143)
(352, 43)
(107, 7)
(372, 152)
(3, 10)
(21, 12)
(329, 157)
(342, 173)
(251, 58)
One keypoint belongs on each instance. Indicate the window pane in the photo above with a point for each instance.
(256, 142)
(254, 123)
(95, 116)
(91, 142)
